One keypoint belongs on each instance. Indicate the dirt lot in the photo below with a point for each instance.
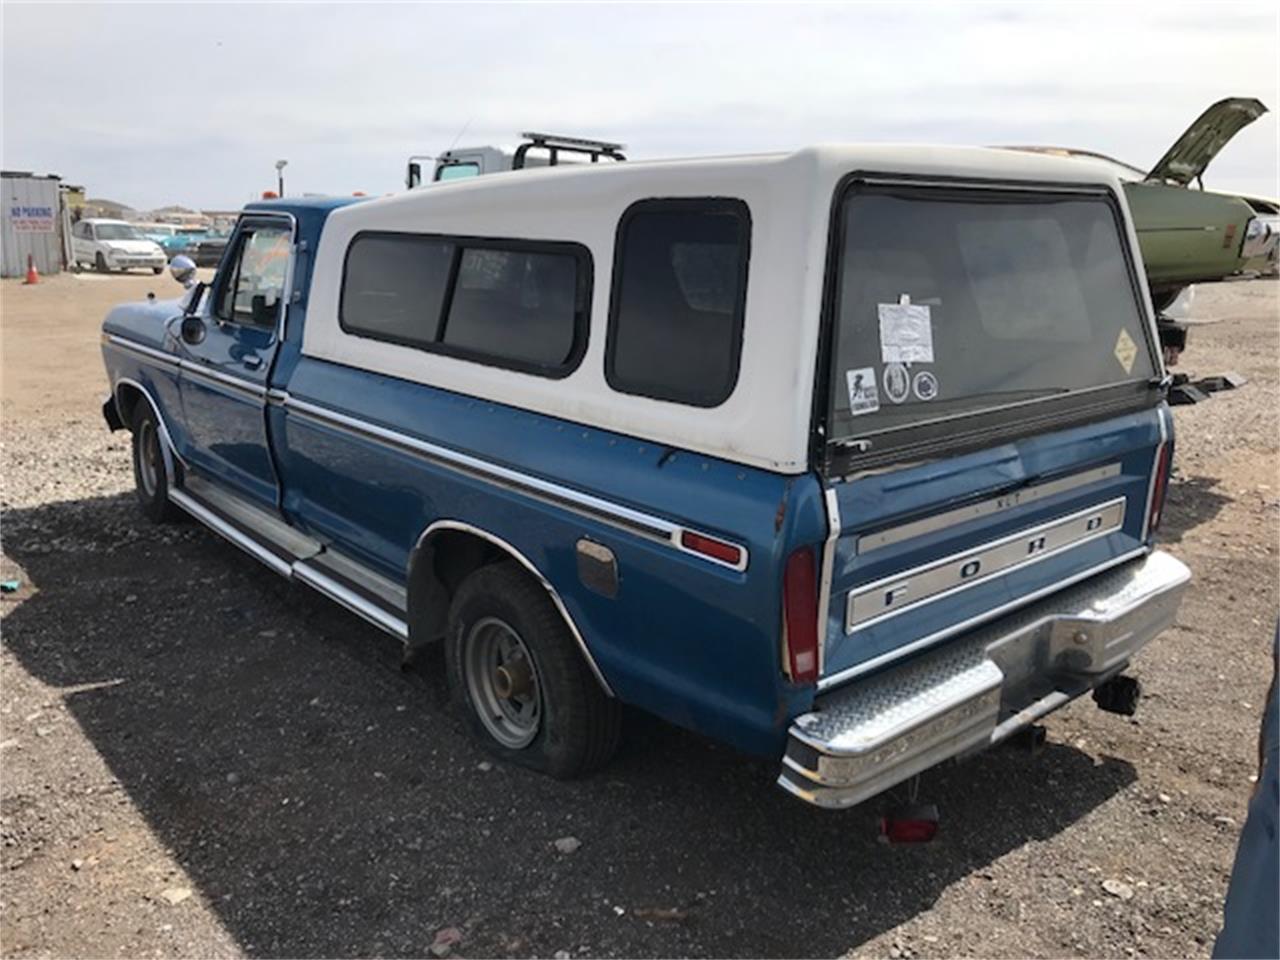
(201, 759)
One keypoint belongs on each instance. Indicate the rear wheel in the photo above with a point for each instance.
(523, 686)
(151, 482)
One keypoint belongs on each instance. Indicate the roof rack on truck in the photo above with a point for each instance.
(534, 150)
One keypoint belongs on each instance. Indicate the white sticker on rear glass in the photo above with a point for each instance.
(925, 385)
(1126, 350)
(897, 382)
(863, 395)
(906, 333)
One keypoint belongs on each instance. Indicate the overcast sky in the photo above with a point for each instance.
(193, 103)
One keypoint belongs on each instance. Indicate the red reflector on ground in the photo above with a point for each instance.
(913, 824)
(711, 547)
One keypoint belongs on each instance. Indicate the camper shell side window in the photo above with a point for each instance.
(519, 304)
(679, 299)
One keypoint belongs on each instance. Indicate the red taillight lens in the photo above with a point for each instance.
(800, 615)
(1159, 487)
(729, 553)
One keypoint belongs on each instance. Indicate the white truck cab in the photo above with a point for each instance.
(534, 150)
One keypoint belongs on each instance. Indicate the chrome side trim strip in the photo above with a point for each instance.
(876, 663)
(996, 558)
(202, 372)
(1014, 498)
(198, 370)
(828, 572)
(635, 521)
(151, 353)
(1155, 466)
(241, 540)
(357, 604)
(528, 565)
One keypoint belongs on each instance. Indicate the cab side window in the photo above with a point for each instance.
(253, 284)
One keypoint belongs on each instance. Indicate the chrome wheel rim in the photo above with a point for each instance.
(502, 679)
(148, 458)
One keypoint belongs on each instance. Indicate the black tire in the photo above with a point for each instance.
(151, 483)
(578, 724)
(157, 270)
(100, 263)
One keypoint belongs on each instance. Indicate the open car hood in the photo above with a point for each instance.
(1191, 153)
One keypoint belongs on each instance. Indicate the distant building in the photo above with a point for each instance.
(33, 223)
(108, 209)
(222, 220)
(183, 216)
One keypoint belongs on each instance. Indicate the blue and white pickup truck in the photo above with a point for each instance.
(852, 457)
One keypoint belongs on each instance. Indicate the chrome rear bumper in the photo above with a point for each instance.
(978, 689)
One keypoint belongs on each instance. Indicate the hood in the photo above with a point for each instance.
(136, 247)
(1187, 159)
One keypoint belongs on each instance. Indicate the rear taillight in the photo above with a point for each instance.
(1159, 486)
(800, 616)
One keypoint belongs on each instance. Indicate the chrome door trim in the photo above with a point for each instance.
(1006, 501)
(528, 565)
(828, 572)
(201, 371)
(196, 369)
(875, 663)
(635, 521)
(150, 353)
(1113, 509)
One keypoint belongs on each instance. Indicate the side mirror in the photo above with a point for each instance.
(415, 176)
(183, 269)
(192, 330)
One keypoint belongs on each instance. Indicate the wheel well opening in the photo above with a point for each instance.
(436, 570)
(127, 399)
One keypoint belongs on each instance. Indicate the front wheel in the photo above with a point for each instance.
(516, 673)
(157, 270)
(151, 482)
(100, 264)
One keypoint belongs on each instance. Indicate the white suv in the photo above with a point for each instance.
(114, 245)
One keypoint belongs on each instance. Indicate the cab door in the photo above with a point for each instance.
(227, 359)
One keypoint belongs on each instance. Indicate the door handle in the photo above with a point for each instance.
(253, 361)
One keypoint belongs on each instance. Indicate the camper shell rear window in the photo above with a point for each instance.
(955, 311)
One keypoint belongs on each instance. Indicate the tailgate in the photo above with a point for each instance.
(924, 552)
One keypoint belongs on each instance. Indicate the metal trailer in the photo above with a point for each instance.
(31, 217)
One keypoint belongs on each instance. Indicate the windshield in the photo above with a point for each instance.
(951, 302)
(115, 231)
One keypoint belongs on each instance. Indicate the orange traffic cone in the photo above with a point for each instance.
(32, 275)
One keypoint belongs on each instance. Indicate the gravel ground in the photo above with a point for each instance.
(200, 759)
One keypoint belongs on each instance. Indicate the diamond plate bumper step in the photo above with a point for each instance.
(980, 688)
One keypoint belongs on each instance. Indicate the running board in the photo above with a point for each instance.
(267, 538)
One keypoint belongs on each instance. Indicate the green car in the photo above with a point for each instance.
(1191, 235)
